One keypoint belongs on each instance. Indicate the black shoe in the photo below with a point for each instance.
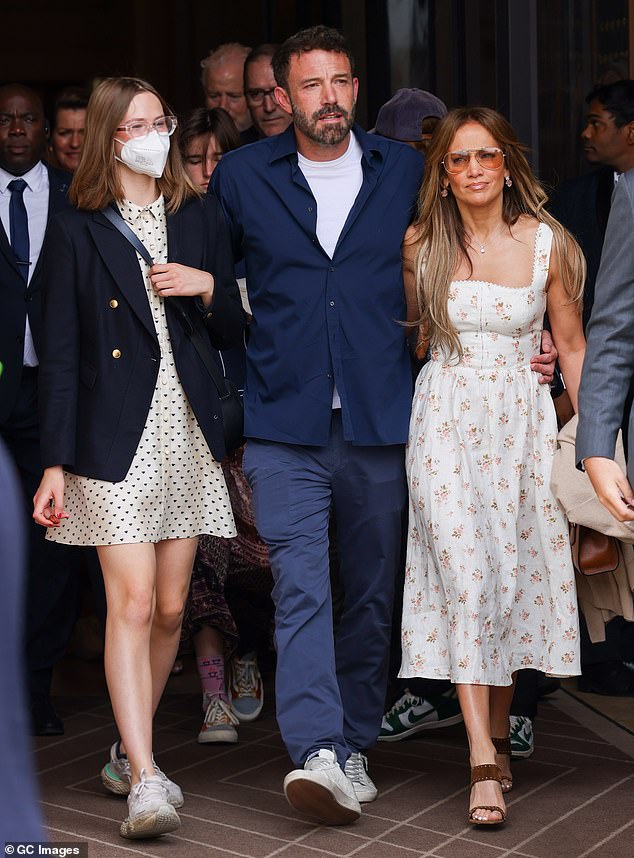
(613, 680)
(44, 719)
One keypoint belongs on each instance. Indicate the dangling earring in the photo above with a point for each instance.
(444, 192)
(508, 181)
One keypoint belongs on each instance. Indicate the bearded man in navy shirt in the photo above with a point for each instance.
(319, 213)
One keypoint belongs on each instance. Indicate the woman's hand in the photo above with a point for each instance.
(544, 363)
(172, 280)
(48, 503)
(611, 486)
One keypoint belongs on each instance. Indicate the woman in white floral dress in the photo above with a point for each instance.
(489, 582)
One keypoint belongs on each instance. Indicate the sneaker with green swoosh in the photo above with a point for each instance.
(521, 736)
(411, 714)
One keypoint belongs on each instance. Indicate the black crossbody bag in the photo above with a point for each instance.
(230, 400)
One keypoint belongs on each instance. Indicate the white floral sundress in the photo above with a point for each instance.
(489, 582)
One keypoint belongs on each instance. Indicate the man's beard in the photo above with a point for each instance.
(329, 134)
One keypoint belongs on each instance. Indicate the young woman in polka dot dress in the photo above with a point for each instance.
(131, 423)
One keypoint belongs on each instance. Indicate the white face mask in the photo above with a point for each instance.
(147, 154)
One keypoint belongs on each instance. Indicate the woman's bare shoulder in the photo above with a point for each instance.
(525, 227)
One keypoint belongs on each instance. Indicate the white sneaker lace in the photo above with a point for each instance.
(159, 773)
(356, 768)
(123, 765)
(403, 703)
(218, 712)
(246, 677)
(143, 790)
(519, 724)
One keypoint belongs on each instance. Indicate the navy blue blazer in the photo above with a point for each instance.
(100, 354)
(17, 301)
(318, 321)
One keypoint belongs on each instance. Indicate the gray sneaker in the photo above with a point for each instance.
(116, 776)
(322, 791)
(246, 690)
(220, 723)
(521, 736)
(149, 812)
(356, 770)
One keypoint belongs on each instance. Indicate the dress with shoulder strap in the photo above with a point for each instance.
(489, 583)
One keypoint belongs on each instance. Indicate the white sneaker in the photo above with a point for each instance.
(116, 776)
(220, 723)
(174, 792)
(322, 791)
(246, 690)
(356, 770)
(149, 812)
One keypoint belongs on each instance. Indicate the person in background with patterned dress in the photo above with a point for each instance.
(489, 583)
(208, 624)
(132, 434)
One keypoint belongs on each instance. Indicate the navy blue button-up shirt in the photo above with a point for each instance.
(319, 321)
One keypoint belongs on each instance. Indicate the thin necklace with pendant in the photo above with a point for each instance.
(481, 247)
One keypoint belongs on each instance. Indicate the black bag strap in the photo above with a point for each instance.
(115, 218)
(203, 348)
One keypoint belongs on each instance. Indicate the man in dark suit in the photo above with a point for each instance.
(583, 206)
(30, 194)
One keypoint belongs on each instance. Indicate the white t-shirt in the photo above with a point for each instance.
(335, 185)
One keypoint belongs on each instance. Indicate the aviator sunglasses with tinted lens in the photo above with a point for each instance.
(489, 157)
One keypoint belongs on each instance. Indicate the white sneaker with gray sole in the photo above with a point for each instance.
(116, 776)
(149, 812)
(322, 791)
(356, 770)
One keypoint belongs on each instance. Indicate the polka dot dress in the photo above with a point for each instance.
(174, 488)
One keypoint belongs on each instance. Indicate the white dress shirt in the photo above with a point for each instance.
(36, 204)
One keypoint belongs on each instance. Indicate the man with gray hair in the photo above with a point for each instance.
(223, 82)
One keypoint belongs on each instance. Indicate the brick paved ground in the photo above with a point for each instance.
(573, 799)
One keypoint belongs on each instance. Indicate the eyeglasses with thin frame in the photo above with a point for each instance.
(489, 157)
(257, 96)
(165, 125)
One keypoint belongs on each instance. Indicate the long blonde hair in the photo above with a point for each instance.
(440, 234)
(96, 182)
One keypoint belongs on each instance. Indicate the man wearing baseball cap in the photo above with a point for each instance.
(410, 116)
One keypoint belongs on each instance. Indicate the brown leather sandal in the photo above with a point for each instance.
(503, 747)
(486, 773)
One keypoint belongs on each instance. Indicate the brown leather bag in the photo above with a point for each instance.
(593, 552)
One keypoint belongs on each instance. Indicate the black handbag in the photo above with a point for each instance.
(230, 400)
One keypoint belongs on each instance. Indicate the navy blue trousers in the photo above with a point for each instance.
(330, 692)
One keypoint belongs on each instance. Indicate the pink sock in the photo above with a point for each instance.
(211, 670)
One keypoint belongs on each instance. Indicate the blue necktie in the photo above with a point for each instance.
(19, 223)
